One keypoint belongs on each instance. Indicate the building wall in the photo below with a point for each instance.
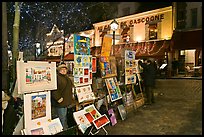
(191, 5)
(133, 6)
(140, 28)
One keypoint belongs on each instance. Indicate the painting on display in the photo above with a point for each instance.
(106, 47)
(51, 127)
(130, 67)
(81, 45)
(34, 76)
(94, 65)
(82, 70)
(113, 88)
(108, 66)
(85, 93)
(37, 108)
(112, 117)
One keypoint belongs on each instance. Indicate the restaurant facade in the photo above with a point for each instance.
(147, 33)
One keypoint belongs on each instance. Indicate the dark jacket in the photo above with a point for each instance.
(149, 73)
(64, 90)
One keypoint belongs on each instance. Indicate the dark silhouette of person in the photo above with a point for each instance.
(149, 79)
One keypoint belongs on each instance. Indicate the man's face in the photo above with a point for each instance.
(63, 71)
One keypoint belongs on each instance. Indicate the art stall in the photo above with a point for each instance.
(35, 80)
(87, 117)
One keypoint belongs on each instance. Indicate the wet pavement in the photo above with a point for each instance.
(177, 111)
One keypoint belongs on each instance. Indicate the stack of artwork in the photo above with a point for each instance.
(88, 116)
(83, 68)
(82, 61)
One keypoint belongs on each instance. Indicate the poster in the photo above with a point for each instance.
(34, 76)
(106, 46)
(37, 109)
(113, 88)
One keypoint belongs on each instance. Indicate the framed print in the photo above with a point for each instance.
(93, 111)
(101, 121)
(37, 108)
(122, 112)
(113, 89)
(33, 76)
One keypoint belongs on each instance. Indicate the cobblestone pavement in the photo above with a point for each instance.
(177, 111)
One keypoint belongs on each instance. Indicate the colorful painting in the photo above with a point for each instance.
(101, 121)
(37, 109)
(81, 45)
(108, 66)
(38, 106)
(93, 111)
(113, 89)
(33, 76)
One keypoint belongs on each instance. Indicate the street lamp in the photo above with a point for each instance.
(114, 27)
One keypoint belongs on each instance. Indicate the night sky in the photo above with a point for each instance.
(38, 18)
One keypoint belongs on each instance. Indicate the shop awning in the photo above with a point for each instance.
(145, 49)
(67, 57)
(183, 40)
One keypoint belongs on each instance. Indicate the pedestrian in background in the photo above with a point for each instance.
(175, 65)
(62, 98)
(149, 79)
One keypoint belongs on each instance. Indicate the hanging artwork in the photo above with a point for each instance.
(81, 45)
(113, 89)
(130, 67)
(108, 66)
(94, 65)
(85, 93)
(37, 109)
(33, 76)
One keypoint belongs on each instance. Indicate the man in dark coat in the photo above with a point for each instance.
(149, 79)
(62, 98)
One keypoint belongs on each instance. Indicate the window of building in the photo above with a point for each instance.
(194, 17)
(181, 19)
(152, 31)
(126, 11)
